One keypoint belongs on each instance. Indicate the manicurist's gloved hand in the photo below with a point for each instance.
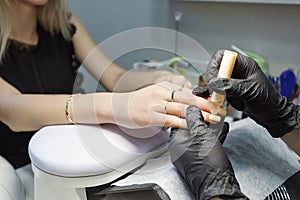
(203, 91)
(249, 90)
(199, 157)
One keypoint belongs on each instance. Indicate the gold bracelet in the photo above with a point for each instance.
(68, 110)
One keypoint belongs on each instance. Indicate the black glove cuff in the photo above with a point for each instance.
(221, 184)
(287, 121)
(296, 109)
(286, 118)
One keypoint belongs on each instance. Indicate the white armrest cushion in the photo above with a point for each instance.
(85, 150)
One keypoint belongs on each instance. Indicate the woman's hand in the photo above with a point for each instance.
(161, 104)
(171, 77)
(135, 80)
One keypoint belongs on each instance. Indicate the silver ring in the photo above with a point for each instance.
(172, 95)
(181, 88)
(166, 107)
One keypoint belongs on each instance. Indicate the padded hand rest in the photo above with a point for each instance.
(86, 150)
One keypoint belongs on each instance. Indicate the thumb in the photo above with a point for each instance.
(201, 91)
(230, 87)
(195, 120)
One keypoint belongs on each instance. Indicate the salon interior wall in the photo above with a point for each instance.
(270, 30)
(105, 18)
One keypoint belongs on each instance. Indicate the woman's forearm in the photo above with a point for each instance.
(162, 104)
(32, 112)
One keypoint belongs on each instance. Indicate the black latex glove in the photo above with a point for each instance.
(200, 159)
(203, 91)
(249, 90)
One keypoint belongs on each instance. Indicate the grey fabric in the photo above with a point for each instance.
(261, 164)
(162, 172)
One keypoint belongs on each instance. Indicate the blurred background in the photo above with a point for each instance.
(267, 30)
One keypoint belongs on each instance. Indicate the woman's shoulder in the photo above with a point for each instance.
(73, 19)
(76, 24)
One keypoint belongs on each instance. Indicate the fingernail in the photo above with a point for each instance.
(214, 118)
(222, 111)
(214, 110)
(217, 110)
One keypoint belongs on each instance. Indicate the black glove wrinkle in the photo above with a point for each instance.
(202, 91)
(193, 114)
(199, 157)
(225, 183)
(221, 129)
(250, 91)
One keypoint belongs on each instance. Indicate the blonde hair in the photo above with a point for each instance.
(53, 17)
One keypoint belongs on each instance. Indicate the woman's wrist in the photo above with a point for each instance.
(94, 108)
(103, 107)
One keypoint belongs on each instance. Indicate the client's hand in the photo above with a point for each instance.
(135, 80)
(199, 157)
(172, 78)
(161, 104)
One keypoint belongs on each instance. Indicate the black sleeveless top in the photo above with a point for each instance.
(46, 68)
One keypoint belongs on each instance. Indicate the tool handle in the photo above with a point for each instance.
(225, 71)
